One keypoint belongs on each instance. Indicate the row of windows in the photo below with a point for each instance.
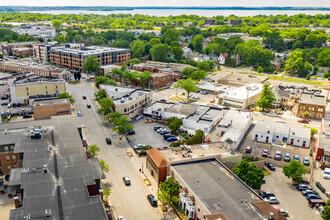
(13, 158)
(135, 106)
(311, 109)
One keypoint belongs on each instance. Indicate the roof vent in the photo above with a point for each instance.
(130, 98)
(48, 212)
(197, 181)
(45, 168)
(122, 100)
(293, 133)
(219, 204)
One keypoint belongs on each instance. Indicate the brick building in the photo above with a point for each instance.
(9, 159)
(7, 48)
(74, 59)
(46, 108)
(315, 105)
(22, 52)
(156, 164)
(160, 80)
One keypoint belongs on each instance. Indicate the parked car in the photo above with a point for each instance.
(296, 158)
(287, 157)
(164, 131)
(157, 127)
(278, 155)
(270, 166)
(108, 140)
(271, 200)
(89, 106)
(120, 218)
(19, 104)
(248, 150)
(4, 98)
(308, 191)
(165, 136)
(171, 139)
(14, 105)
(266, 194)
(5, 103)
(326, 173)
(303, 121)
(79, 114)
(27, 116)
(9, 105)
(126, 180)
(306, 161)
(138, 147)
(152, 200)
(265, 153)
(316, 202)
(84, 97)
(321, 188)
(312, 196)
(284, 212)
(271, 114)
(130, 132)
(303, 187)
(160, 129)
(183, 101)
(296, 184)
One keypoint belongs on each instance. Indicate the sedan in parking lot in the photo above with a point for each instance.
(265, 153)
(306, 161)
(152, 200)
(266, 194)
(157, 127)
(272, 200)
(248, 150)
(287, 157)
(302, 187)
(4, 103)
(130, 132)
(278, 155)
(312, 196)
(164, 131)
(165, 136)
(270, 166)
(308, 191)
(171, 139)
(296, 158)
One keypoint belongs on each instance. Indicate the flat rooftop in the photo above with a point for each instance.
(51, 101)
(160, 106)
(183, 109)
(218, 189)
(38, 79)
(90, 50)
(121, 95)
(313, 99)
(63, 189)
(244, 92)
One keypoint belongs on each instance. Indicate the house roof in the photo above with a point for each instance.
(157, 157)
(266, 208)
(312, 99)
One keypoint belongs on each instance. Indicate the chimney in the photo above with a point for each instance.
(16, 201)
(101, 194)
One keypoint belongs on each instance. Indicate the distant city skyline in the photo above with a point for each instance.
(191, 3)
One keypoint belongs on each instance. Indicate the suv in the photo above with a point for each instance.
(248, 150)
(152, 200)
(287, 157)
(278, 155)
(126, 180)
(306, 161)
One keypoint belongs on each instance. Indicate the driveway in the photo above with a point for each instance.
(290, 198)
(145, 134)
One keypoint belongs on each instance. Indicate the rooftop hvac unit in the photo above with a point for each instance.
(122, 100)
(48, 212)
(45, 168)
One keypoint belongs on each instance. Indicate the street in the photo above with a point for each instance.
(127, 201)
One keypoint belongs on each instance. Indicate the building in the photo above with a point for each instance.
(211, 191)
(226, 36)
(55, 178)
(280, 133)
(7, 48)
(22, 52)
(160, 80)
(37, 31)
(233, 127)
(322, 145)
(48, 107)
(156, 164)
(153, 66)
(282, 97)
(128, 101)
(209, 21)
(194, 117)
(136, 32)
(8, 158)
(315, 105)
(241, 97)
(74, 59)
(22, 66)
(234, 22)
(23, 90)
(276, 64)
(222, 58)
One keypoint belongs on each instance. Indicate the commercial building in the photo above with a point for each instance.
(315, 105)
(322, 145)
(7, 48)
(22, 52)
(153, 66)
(156, 164)
(241, 97)
(74, 59)
(37, 31)
(35, 87)
(194, 117)
(8, 158)
(48, 107)
(233, 126)
(128, 101)
(211, 191)
(281, 133)
(55, 179)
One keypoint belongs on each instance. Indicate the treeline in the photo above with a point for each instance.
(10, 36)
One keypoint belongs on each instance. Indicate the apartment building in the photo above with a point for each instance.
(22, 52)
(130, 102)
(74, 59)
(35, 87)
(36, 31)
(315, 105)
(8, 159)
(7, 48)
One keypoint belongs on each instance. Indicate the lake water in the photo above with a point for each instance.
(174, 12)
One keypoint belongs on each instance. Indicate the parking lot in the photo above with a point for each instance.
(289, 197)
(145, 134)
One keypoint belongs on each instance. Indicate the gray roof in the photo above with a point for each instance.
(212, 183)
(313, 99)
(271, 127)
(51, 101)
(63, 189)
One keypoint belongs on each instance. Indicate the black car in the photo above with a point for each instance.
(108, 140)
(27, 116)
(130, 132)
(14, 105)
(19, 104)
(270, 166)
(89, 106)
(152, 200)
(4, 98)
(4, 103)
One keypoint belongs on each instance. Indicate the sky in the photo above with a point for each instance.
(196, 3)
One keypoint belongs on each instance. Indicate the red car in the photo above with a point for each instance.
(303, 121)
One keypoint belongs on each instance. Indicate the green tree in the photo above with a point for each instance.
(197, 43)
(324, 58)
(326, 214)
(138, 48)
(106, 106)
(207, 65)
(92, 65)
(99, 95)
(66, 95)
(305, 114)
(294, 170)
(249, 173)
(187, 71)
(266, 98)
(168, 191)
(177, 52)
(93, 149)
(121, 122)
(189, 85)
(60, 39)
(198, 75)
(175, 124)
(104, 80)
(104, 167)
(143, 77)
(314, 131)
(159, 52)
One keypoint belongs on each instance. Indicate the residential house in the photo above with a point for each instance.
(282, 97)
(314, 105)
(222, 58)
(209, 21)
(276, 64)
(234, 22)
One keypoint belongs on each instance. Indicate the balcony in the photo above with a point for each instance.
(186, 204)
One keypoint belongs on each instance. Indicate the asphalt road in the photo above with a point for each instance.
(128, 201)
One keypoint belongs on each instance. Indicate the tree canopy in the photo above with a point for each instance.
(267, 97)
(92, 65)
(294, 170)
(249, 173)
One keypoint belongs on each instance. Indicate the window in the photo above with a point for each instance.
(125, 110)
(198, 209)
(14, 166)
(13, 158)
(9, 168)
(6, 148)
(136, 105)
(320, 110)
(132, 107)
(8, 159)
(277, 136)
(204, 216)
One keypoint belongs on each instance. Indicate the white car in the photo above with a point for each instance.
(271, 200)
(284, 212)
(271, 114)
(121, 218)
(326, 174)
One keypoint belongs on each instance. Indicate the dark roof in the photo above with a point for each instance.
(51, 101)
(218, 189)
(63, 189)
